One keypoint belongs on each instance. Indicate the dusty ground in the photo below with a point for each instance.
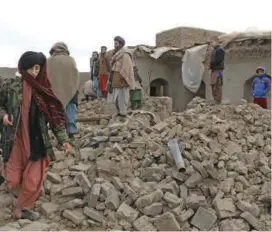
(123, 177)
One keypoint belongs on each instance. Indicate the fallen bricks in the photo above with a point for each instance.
(130, 181)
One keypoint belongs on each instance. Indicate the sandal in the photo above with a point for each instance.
(27, 214)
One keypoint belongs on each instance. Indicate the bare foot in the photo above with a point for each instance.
(17, 213)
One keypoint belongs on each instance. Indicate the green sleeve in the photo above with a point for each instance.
(61, 134)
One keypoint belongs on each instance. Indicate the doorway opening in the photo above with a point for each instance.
(159, 88)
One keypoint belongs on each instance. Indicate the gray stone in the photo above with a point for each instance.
(199, 167)
(186, 215)
(234, 225)
(24, 222)
(53, 177)
(117, 149)
(193, 180)
(83, 181)
(193, 201)
(171, 199)
(74, 191)
(265, 195)
(160, 126)
(94, 195)
(166, 222)
(252, 220)
(227, 185)
(143, 201)
(127, 213)
(143, 224)
(113, 201)
(75, 203)
(93, 214)
(36, 226)
(80, 167)
(246, 206)
(49, 208)
(117, 183)
(6, 228)
(225, 208)
(203, 219)
(183, 192)
(153, 209)
(106, 188)
(137, 144)
(130, 192)
(152, 174)
(116, 139)
(74, 216)
(86, 152)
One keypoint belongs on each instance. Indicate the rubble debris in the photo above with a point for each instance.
(128, 180)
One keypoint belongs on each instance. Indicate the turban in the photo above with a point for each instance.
(120, 40)
(29, 59)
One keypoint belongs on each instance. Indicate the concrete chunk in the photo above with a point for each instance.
(74, 191)
(83, 181)
(166, 222)
(225, 208)
(143, 224)
(153, 209)
(93, 214)
(73, 216)
(252, 220)
(113, 201)
(127, 213)
(53, 177)
(94, 195)
(203, 219)
(49, 208)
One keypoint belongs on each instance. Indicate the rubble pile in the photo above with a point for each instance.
(123, 176)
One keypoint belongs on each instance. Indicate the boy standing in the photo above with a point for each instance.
(261, 87)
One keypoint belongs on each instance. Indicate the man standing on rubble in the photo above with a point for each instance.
(95, 73)
(104, 70)
(27, 104)
(217, 67)
(260, 87)
(64, 77)
(121, 78)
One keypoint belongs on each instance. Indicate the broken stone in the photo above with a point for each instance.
(74, 191)
(246, 206)
(113, 201)
(117, 149)
(118, 183)
(94, 195)
(251, 220)
(84, 182)
(195, 201)
(203, 219)
(93, 214)
(234, 225)
(73, 216)
(166, 222)
(225, 208)
(37, 226)
(49, 208)
(143, 224)
(193, 180)
(186, 215)
(80, 167)
(53, 177)
(75, 203)
(127, 213)
(153, 209)
(171, 199)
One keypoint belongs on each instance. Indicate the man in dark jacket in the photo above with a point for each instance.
(217, 67)
(95, 72)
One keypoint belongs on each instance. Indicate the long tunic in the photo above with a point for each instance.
(20, 169)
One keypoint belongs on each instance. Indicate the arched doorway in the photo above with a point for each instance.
(159, 87)
(201, 92)
(248, 92)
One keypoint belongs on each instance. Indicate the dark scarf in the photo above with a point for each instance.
(46, 100)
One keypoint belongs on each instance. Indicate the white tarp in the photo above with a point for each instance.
(193, 68)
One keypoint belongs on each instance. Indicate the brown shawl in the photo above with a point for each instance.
(63, 73)
(104, 65)
(122, 62)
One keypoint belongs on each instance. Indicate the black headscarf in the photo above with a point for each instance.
(29, 59)
(120, 40)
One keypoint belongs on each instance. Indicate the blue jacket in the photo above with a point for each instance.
(260, 86)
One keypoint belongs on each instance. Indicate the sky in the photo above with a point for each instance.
(85, 25)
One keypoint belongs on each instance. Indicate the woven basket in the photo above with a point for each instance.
(183, 37)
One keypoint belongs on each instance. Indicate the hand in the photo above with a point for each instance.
(67, 147)
(6, 120)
